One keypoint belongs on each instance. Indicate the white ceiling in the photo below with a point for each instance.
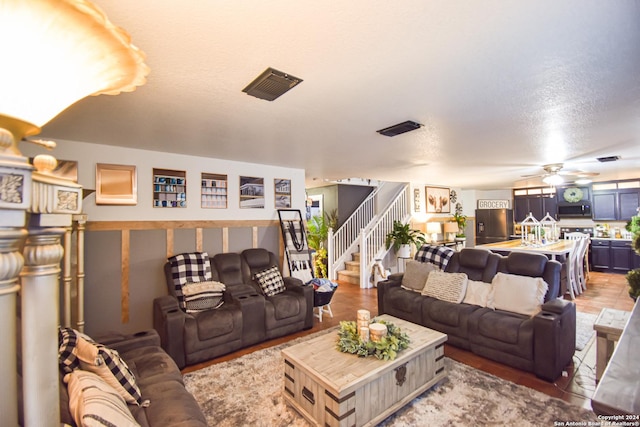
(501, 87)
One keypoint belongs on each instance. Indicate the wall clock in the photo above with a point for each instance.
(572, 194)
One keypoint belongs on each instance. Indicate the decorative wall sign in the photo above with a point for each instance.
(494, 204)
(416, 200)
(282, 188)
(251, 192)
(116, 184)
(437, 200)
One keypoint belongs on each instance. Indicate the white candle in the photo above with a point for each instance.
(377, 331)
(364, 334)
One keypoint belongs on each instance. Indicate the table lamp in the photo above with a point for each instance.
(434, 228)
(451, 229)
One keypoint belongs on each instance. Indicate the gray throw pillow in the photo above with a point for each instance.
(416, 274)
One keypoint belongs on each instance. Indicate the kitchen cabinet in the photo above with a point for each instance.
(616, 201)
(612, 256)
(600, 255)
(538, 201)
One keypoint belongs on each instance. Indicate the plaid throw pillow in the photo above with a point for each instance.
(270, 280)
(67, 340)
(189, 267)
(438, 255)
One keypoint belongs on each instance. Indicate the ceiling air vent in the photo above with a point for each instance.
(399, 128)
(608, 159)
(271, 84)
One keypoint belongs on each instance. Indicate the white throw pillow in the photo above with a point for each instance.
(518, 294)
(449, 287)
(93, 402)
(477, 293)
(415, 275)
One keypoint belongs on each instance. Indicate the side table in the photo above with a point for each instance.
(608, 327)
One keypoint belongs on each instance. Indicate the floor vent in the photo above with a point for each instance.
(608, 159)
(271, 84)
(399, 128)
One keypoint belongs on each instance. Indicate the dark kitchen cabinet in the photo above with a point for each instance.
(604, 206)
(636, 260)
(600, 254)
(621, 256)
(615, 201)
(539, 205)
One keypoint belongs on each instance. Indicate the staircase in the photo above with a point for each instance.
(361, 238)
(352, 272)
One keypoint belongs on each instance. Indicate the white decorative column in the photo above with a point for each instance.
(39, 323)
(80, 222)
(53, 202)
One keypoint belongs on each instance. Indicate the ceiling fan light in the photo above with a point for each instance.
(554, 179)
(583, 181)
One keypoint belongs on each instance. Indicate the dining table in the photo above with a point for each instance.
(560, 250)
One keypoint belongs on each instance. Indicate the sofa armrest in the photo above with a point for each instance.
(124, 343)
(168, 321)
(295, 284)
(394, 280)
(554, 330)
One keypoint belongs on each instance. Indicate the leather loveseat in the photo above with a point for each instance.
(159, 380)
(246, 317)
(543, 343)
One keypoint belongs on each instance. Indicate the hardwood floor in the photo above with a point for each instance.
(603, 290)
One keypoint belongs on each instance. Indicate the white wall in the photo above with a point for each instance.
(88, 155)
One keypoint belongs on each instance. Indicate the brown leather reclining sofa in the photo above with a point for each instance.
(247, 316)
(543, 344)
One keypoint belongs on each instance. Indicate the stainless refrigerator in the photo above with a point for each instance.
(493, 225)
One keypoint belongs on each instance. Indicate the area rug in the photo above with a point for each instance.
(248, 392)
(584, 329)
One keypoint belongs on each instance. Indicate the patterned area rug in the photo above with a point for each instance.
(584, 329)
(248, 391)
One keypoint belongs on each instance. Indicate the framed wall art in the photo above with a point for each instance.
(251, 192)
(282, 188)
(437, 200)
(116, 184)
(416, 200)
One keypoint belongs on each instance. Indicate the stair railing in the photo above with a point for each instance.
(369, 236)
(372, 238)
(343, 241)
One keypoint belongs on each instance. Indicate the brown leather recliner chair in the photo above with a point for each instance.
(288, 311)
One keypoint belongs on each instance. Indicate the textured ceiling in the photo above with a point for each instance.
(501, 87)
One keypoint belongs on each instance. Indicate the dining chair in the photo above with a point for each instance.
(581, 264)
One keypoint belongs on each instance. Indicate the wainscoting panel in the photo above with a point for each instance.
(124, 261)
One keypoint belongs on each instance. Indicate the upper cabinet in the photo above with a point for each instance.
(537, 201)
(616, 201)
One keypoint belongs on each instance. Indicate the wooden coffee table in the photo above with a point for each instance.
(331, 388)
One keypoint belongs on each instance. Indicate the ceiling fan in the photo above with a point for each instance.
(554, 175)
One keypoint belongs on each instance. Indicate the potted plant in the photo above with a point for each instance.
(402, 237)
(633, 276)
(317, 235)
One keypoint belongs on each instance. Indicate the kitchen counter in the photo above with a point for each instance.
(561, 247)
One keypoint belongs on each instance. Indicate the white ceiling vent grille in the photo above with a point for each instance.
(399, 128)
(271, 84)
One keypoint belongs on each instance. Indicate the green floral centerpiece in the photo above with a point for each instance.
(386, 349)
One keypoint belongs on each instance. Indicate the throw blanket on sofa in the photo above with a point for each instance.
(438, 255)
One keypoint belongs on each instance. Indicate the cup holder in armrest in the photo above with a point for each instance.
(141, 334)
(173, 310)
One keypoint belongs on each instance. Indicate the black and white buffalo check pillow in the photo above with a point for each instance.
(270, 280)
(189, 268)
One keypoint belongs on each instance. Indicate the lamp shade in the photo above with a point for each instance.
(57, 52)
(451, 227)
(434, 227)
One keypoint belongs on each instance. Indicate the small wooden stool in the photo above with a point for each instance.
(608, 327)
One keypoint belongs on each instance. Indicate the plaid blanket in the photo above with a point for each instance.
(438, 255)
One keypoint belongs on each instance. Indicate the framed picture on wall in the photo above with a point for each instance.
(251, 192)
(416, 200)
(116, 184)
(437, 200)
(282, 188)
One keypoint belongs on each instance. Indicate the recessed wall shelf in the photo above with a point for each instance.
(213, 194)
(169, 188)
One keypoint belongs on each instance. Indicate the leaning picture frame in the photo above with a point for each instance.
(116, 184)
(437, 200)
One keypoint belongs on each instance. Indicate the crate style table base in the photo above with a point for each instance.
(335, 389)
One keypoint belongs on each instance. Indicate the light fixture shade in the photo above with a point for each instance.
(451, 227)
(57, 52)
(433, 227)
(553, 179)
